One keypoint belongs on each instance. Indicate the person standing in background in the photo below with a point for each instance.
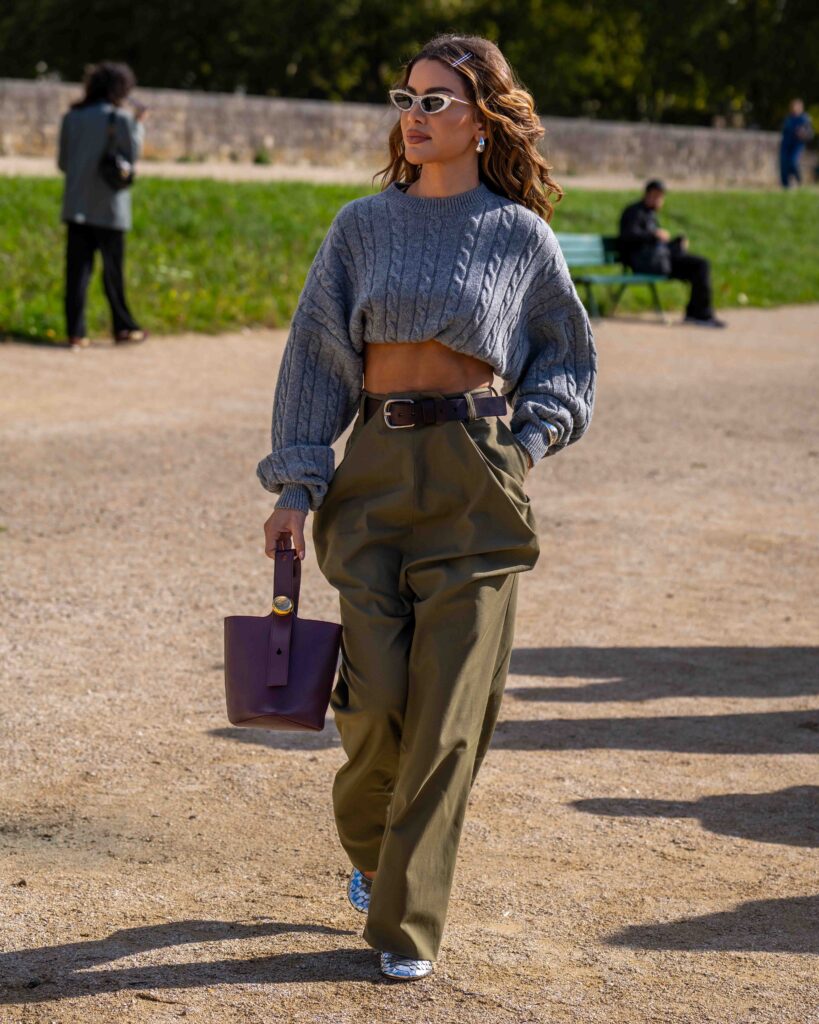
(97, 215)
(797, 129)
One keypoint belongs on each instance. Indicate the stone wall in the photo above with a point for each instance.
(224, 126)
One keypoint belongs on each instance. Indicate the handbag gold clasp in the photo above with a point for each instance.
(282, 605)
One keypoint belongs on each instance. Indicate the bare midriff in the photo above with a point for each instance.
(421, 366)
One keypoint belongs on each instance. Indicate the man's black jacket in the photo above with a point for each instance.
(639, 247)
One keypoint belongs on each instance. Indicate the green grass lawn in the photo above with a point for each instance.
(211, 256)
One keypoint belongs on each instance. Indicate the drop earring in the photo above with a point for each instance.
(481, 145)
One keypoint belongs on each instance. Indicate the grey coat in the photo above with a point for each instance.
(87, 199)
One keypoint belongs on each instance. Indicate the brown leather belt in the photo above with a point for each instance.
(429, 411)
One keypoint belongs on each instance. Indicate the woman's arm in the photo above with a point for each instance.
(554, 397)
(130, 135)
(319, 382)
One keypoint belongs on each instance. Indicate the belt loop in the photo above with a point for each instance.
(470, 406)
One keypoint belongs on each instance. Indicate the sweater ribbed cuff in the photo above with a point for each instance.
(535, 441)
(295, 496)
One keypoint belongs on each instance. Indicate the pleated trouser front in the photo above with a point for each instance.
(424, 532)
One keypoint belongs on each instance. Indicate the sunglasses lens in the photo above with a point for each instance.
(432, 104)
(402, 100)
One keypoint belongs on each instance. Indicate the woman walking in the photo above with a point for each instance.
(448, 275)
(97, 215)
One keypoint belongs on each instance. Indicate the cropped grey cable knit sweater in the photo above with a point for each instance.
(478, 272)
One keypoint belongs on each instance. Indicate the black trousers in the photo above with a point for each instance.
(697, 270)
(82, 242)
(789, 166)
(684, 266)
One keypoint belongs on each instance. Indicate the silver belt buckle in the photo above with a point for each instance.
(392, 401)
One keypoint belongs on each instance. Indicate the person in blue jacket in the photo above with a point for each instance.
(797, 129)
(97, 215)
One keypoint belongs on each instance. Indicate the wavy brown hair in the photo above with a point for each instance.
(510, 164)
(107, 82)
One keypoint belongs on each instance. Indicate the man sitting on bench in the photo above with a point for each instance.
(649, 249)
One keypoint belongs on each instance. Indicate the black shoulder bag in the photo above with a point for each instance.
(115, 168)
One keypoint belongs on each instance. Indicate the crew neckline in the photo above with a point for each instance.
(460, 202)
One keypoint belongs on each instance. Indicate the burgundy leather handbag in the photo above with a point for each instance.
(279, 669)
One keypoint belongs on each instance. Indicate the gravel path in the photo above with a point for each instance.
(44, 167)
(641, 842)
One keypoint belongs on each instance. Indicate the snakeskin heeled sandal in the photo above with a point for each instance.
(404, 968)
(358, 891)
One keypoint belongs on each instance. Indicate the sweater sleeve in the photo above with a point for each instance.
(319, 382)
(558, 380)
(130, 135)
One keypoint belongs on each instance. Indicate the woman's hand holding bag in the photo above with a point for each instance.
(280, 669)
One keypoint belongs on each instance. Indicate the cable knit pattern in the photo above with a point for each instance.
(479, 272)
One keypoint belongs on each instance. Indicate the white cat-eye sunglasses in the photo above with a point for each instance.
(430, 102)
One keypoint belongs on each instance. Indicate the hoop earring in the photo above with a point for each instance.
(481, 145)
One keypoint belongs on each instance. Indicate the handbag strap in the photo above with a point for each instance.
(286, 583)
(111, 139)
(287, 574)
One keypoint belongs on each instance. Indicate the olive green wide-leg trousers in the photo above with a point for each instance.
(423, 531)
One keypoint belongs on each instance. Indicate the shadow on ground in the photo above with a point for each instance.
(787, 817)
(650, 673)
(759, 926)
(774, 732)
(296, 740)
(50, 973)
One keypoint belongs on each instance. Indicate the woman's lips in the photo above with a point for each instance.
(416, 137)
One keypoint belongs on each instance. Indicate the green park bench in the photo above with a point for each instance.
(600, 251)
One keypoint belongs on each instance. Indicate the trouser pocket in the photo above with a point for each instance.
(504, 458)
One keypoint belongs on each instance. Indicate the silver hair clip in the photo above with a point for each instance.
(460, 60)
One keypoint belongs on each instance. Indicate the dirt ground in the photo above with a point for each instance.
(641, 842)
